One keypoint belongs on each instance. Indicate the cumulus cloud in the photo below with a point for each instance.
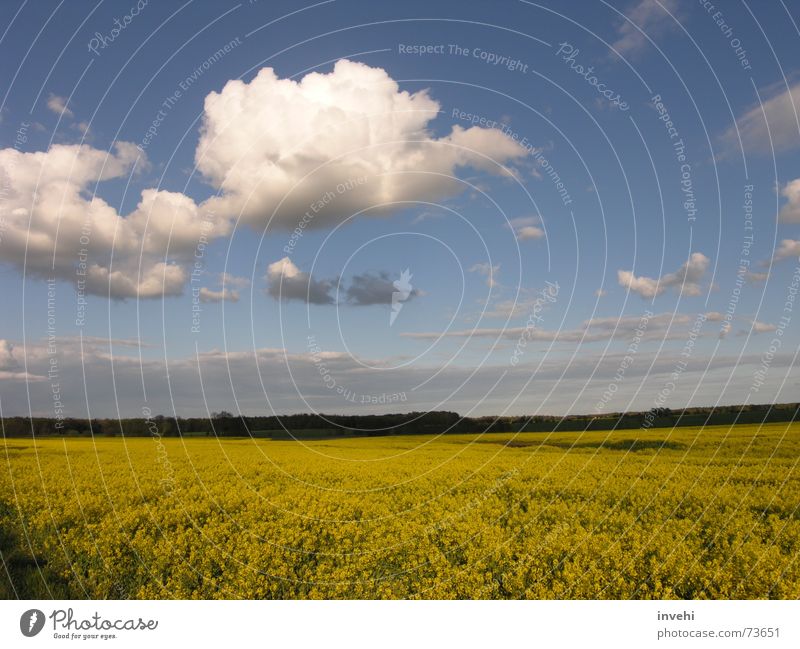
(59, 105)
(285, 281)
(790, 213)
(646, 16)
(686, 279)
(328, 145)
(331, 145)
(56, 226)
(770, 125)
(788, 248)
(373, 288)
(156, 280)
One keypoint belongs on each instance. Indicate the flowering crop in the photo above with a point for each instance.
(684, 513)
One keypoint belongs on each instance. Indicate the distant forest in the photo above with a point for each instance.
(316, 426)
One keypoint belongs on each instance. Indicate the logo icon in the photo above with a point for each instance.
(31, 622)
(401, 293)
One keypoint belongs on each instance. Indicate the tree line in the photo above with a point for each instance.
(310, 426)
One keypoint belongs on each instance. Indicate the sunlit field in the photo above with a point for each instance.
(684, 513)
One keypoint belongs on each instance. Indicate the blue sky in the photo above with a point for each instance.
(467, 142)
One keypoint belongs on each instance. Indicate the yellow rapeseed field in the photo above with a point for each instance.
(685, 513)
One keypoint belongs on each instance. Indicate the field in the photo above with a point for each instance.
(684, 513)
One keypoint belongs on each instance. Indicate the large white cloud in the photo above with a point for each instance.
(55, 226)
(328, 145)
(331, 145)
(686, 279)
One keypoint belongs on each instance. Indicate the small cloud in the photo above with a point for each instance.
(601, 292)
(223, 295)
(488, 271)
(7, 359)
(526, 228)
(685, 280)
(374, 288)
(424, 215)
(59, 106)
(768, 126)
(226, 279)
(762, 327)
(790, 213)
(285, 281)
(787, 248)
(645, 18)
(755, 278)
(529, 232)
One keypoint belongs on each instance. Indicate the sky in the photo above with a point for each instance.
(340, 207)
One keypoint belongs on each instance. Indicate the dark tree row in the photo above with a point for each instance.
(225, 424)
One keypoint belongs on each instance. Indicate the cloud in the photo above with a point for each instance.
(59, 105)
(223, 295)
(373, 288)
(286, 281)
(157, 280)
(529, 232)
(790, 213)
(788, 248)
(770, 125)
(10, 368)
(331, 145)
(226, 279)
(82, 128)
(600, 292)
(648, 17)
(326, 146)
(234, 380)
(526, 228)
(56, 226)
(506, 309)
(228, 291)
(7, 360)
(762, 327)
(488, 271)
(754, 278)
(662, 326)
(686, 279)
